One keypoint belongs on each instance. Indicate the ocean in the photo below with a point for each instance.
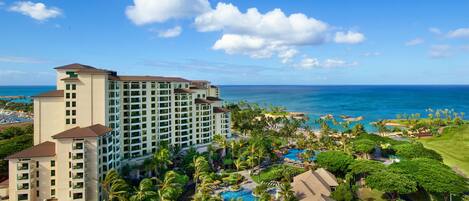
(371, 102)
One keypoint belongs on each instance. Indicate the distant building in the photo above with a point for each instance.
(314, 185)
(97, 120)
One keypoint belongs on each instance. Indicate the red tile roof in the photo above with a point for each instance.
(45, 149)
(77, 132)
(212, 98)
(202, 101)
(220, 110)
(82, 68)
(151, 78)
(182, 90)
(53, 93)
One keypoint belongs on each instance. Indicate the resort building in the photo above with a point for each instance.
(314, 185)
(97, 120)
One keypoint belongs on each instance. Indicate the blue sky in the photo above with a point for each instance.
(240, 42)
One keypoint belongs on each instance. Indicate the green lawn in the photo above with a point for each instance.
(367, 194)
(453, 145)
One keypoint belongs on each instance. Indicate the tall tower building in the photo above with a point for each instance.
(97, 120)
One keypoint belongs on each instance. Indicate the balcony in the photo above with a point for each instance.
(78, 167)
(78, 147)
(23, 177)
(78, 156)
(23, 186)
(23, 166)
(78, 186)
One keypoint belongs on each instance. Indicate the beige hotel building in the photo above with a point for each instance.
(97, 120)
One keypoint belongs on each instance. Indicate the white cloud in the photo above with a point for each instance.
(37, 11)
(169, 33)
(434, 30)
(151, 11)
(413, 42)
(310, 63)
(371, 54)
(287, 55)
(27, 60)
(261, 35)
(350, 37)
(459, 33)
(440, 51)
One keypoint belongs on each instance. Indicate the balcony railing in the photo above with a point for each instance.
(23, 167)
(23, 177)
(23, 187)
(78, 167)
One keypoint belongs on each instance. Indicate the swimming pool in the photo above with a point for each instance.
(245, 194)
(293, 154)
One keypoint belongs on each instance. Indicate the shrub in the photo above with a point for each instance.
(277, 173)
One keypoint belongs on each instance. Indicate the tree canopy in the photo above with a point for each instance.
(432, 175)
(391, 182)
(415, 150)
(334, 161)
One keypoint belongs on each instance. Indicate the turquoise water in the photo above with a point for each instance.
(23, 91)
(293, 154)
(371, 102)
(246, 195)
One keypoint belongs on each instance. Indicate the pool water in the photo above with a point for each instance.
(293, 154)
(244, 194)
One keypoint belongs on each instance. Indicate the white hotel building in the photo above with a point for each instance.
(97, 120)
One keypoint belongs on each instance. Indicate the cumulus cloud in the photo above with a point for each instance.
(349, 37)
(440, 51)
(261, 35)
(170, 33)
(310, 63)
(459, 33)
(37, 11)
(151, 11)
(413, 42)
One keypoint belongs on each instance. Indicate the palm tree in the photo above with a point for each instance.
(222, 143)
(161, 160)
(239, 164)
(381, 127)
(169, 188)
(114, 186)
(145, 192)
(252, 161)
(201, 168)
(286, 191)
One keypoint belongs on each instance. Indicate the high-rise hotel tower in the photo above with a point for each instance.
(97, 120)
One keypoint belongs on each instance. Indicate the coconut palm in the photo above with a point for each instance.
(114, 187)
(169, 187)
(146, 191)
(222, 143)
(286, 191)
(239, 164)
(201, 167)
(161, 160)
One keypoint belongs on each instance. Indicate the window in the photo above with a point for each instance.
(52, 192)
(52, 182)
(52, 173)
(74, 95)
(67, 104)
(67, 86)
(52, 163)
(67, 121)
(67, 113)
(74, 86)
(74, 121)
